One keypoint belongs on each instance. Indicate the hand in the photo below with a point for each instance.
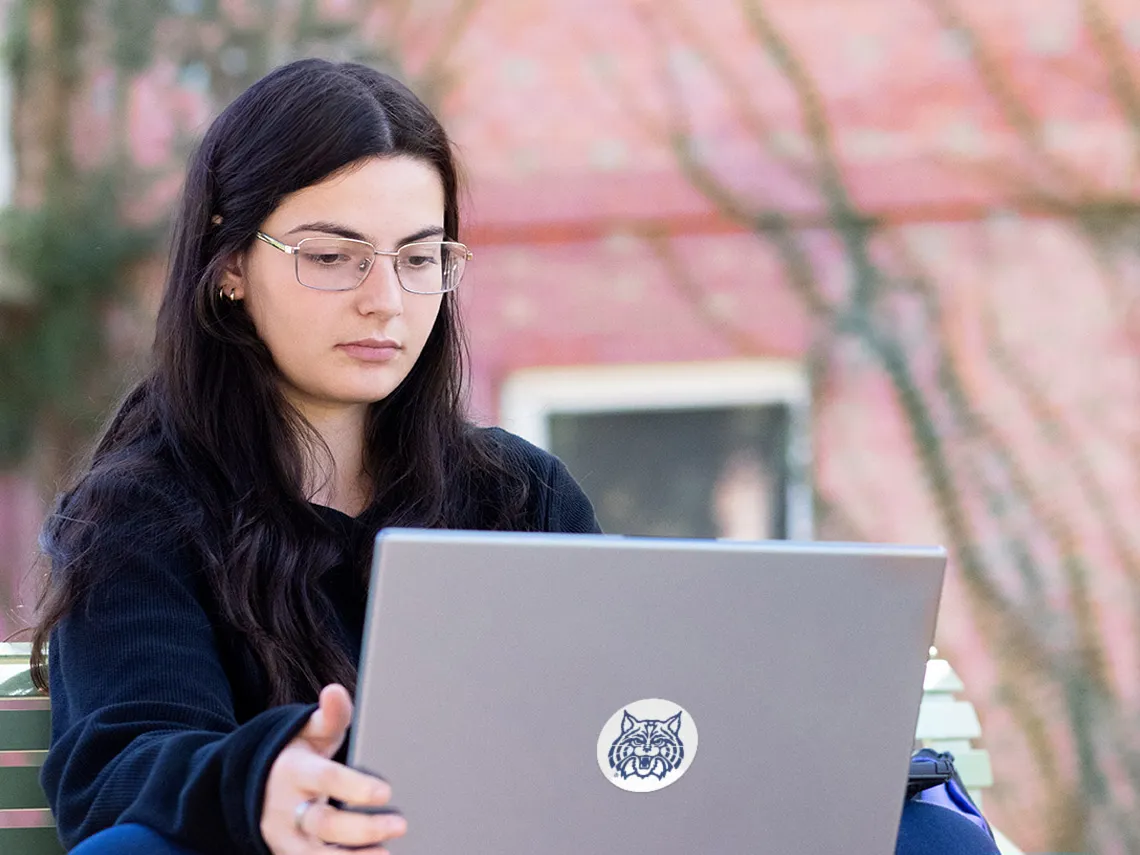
(303, 771)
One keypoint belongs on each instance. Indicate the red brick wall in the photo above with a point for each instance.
(556, 117)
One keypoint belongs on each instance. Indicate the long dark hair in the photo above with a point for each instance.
(210, 418)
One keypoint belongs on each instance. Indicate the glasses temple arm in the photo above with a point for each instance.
(276, 244)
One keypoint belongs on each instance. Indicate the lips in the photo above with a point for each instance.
(372, 349)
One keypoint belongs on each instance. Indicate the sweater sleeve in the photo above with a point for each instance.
(557, 502)
(568, 509)
(143, 724)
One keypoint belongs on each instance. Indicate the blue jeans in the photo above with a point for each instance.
(928, 829)
(925, 830)
(128, 840)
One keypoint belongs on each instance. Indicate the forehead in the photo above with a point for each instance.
(374, 196)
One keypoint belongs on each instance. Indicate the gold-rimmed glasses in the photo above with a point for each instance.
(341, 264)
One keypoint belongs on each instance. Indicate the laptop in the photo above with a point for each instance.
(562, 694)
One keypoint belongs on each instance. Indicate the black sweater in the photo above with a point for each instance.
(156, 720)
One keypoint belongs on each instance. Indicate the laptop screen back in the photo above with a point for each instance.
(561, 694)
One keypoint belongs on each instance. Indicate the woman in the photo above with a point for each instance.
(209, 568)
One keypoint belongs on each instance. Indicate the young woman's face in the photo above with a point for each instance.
(338, 349)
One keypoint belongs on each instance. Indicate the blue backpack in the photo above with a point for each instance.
(934, 780)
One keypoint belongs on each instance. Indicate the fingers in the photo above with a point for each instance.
(297, 820)
(346, 828)
(327, 727)
(321, 777)
(304, 770)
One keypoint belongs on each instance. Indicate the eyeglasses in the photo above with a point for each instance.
(341, 264)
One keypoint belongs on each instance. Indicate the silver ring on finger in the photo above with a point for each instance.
(299, 815)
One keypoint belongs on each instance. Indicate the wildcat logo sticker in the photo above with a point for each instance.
(647, 745)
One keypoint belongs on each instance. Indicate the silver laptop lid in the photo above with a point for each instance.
(561, 694)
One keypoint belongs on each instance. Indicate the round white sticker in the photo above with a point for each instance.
(647, 745)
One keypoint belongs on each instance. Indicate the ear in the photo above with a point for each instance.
(233, 279)
(628, 722)
(674, 724)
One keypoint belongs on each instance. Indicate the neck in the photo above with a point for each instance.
(338, 481)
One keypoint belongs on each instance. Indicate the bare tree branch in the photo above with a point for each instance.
(1123, 84)
(681, 278)
(741, 91)
(435, 78)
(1013, 105)
(963, 454)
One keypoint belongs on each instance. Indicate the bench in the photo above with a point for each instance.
(26, 824)
(946, 723)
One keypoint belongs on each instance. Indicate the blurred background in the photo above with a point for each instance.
(835, 269)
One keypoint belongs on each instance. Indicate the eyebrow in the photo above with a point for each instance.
(348, 232)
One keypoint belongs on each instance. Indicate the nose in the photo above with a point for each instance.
(380, 292)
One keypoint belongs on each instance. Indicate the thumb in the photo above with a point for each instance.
(326, 727)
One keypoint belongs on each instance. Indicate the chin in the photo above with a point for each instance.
(363, 398)
(369, 395)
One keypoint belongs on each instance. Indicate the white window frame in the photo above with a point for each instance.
(530, 396)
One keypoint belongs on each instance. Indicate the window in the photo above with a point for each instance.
(677, 450)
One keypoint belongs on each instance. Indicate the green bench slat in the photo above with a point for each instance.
(20, 788)
(26, 826)
(29, 841)
(24, 730)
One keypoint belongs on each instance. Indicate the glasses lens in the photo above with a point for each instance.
(432, 267)
(331, 264)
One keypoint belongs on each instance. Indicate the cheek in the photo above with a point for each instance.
(421, 318)
(289, 327)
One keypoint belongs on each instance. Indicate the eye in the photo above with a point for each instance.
(327, 259)
(420, 260)
(659, 740)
